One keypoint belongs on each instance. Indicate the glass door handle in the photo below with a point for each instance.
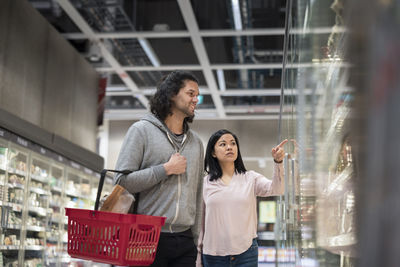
(293, 205)
(286, 193)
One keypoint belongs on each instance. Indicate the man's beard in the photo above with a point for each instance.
(189, 115)
(190, 118)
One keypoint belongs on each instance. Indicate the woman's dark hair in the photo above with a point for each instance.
(167, 88)
(211, 164)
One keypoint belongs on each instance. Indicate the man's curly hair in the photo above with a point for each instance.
(168, 87)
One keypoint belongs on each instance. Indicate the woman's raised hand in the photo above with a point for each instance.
(278, 152)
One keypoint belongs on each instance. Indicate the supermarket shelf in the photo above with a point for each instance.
(13, 226)
(72, 194)
(15, 171)
(266, 235)
(52, 240)
(39, 178)
(55, 220)
(15, 206)
(14, 185)
(34, 228)
(39, 191)
(56, 189)
(4, 247)
(38, 210)
(54, 205)
(34, 247)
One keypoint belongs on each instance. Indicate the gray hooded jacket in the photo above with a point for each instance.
(149, 144)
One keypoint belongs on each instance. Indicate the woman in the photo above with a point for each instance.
(229, 230)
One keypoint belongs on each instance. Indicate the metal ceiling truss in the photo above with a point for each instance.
(224, 66)
(197, 41)
(205, 33)
(129, 54)
(107, 55)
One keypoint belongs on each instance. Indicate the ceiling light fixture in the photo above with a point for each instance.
(221, 80)
(94, 52)
(237, 18)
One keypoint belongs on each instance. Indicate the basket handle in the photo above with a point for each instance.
(101, 182)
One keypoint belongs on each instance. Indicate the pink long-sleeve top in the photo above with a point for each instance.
(230, 211)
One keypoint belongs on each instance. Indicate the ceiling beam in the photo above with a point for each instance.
(122, 91)
(205, 33)
(201, 114)
(195, 67)
(178, 34)
(107, 55)
(231, 92)
(191, 24)
(227, 66)
(153, 68)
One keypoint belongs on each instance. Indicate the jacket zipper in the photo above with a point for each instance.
(179, 182)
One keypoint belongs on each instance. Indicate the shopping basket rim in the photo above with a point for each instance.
(74, 213)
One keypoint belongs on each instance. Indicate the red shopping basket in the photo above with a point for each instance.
(113, 238)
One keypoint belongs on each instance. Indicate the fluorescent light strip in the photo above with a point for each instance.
(221, 80)
(237, 18)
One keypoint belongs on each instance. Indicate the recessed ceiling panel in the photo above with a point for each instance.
(114, 79)
(265, 14)
(173, 51)
(211, 14)
(129, 52)
(250, 79)
(239, 15)
(156, 15)
(150, 79)
(200, 77)
(147, 78)
(250, 100)
(244, 49)
(131, 15)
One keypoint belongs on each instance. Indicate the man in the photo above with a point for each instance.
(167, 162)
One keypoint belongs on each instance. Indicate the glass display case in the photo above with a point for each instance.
(36, 185)
(317, 212)
(56, 214)
(36, 211)
(15, 177)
